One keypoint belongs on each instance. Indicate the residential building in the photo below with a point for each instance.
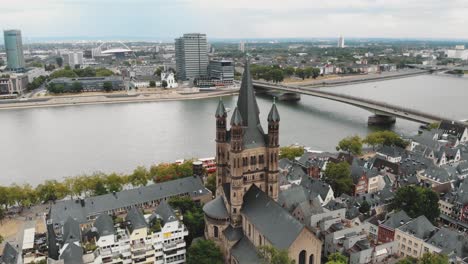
(386, 231)
(16, 84)
(455, 129)
(245, 214)
(86, 210)
(412, 235)
(14, 50)
(448, 242)
(73, 59)
(90, 84)
(152, 238)
(191, 56)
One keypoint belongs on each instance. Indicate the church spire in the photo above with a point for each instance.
(221, 110)
(247, 103)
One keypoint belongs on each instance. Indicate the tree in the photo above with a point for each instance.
(272, 255)
(152, 84)
(288, 71)
(1, 239)
(416, 201)
(158, 71)
(352, 145)
(139, 177)
(373, 139)
(204, 251)
(291, 152)
(315, 73)
(169, 171)
(114, 182)
(338, 175)
(433, 125)
(164, 84)
(364, 208)
(51, 190)
(337, 258)
(193, 214)
(103, 72)
(433, 258)
(59, 61)
(300, 73)
(2, 215)
(107, 86)
(308, 72)
(277, 75)
(211, 183)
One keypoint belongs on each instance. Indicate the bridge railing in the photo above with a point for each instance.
(355, 98)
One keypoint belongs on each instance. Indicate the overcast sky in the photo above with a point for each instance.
(166, 19)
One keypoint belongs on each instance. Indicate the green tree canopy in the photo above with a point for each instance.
(337, 258)
(204, 251)
(338, 175)
(107, 86)
(386, 137)
(152, 84)
(416, 201)
(194, 218)
(291, 152)
(272, 255)
(352, 145)
(139, 177)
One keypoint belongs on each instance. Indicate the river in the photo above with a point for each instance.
(53, 143)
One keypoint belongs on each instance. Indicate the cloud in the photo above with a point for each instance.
(166, 19)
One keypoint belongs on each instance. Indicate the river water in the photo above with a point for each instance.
(56, 142)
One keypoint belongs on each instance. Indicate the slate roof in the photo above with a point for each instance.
(10, 255)
(165, 212)
(462, 192)
(440, 174)
(52, 245)
(296, 172)
(71, 231)
(292, 197)
(316, 186)
(93, 206)
(391, 151)
(273, 116)
(452, 128)
(104, 225)
(419, 227)
(245, 252)
(450, 242)
(136, 219)
(278, 226)
(284, 163)
(233, 233)
(397, 219)
(221, 110)
(381, 164)
(248, 108)
(216, 208)
(236, 119)
(73, 254)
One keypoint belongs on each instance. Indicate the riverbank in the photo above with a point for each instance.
(363, 78)
(57, 101)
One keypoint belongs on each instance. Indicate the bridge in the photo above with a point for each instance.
(384, 113)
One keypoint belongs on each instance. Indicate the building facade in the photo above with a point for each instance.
(16, 84)
(14, 49)
(245, 214)
(90, 84)
(221, 70)
(191, 56)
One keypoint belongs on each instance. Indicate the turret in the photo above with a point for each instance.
(273, 152)
(221, 122)
(236, 131)
(273, 126)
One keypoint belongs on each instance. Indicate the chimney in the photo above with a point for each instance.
(197, 167)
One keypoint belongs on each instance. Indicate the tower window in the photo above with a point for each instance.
(261, 159)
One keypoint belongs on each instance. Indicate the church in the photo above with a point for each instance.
(245, 214)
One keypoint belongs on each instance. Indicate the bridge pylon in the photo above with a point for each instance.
(374, 120)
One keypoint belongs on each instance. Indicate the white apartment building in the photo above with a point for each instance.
(412, 236)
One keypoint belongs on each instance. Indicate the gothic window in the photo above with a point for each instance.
(245, 178)
(271, 189)
(253, 160)
(235, 210)
(250, 229)
(302, 257)
(271, 156)
(260, 239)
(244, 161)
(262, 176)
(215, 231)
(261, 159)
(311, 259)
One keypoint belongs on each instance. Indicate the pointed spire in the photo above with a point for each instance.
(273, 116)
(221, 110)
(247, 103)
(236, 119)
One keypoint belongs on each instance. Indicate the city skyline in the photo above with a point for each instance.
(165, 20)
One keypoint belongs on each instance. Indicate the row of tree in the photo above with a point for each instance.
(86, 72)
(277, 74)
(90, 185)
(353, 144)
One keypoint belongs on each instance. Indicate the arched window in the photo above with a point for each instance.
(302, 257)
(259, 239)
(311, 259)
(215, 231)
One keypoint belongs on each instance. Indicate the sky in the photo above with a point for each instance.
(167, 19)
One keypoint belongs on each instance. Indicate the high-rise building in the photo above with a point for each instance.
(222, 70)
(242, 46)
(73, 58)
(191, 56)
(14, 49)
(341, 42)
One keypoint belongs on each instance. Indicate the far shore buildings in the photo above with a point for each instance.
(245, 214)
(191, 56)
(14, 50)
